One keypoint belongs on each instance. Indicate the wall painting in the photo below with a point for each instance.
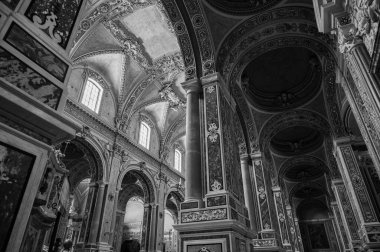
(15, 168)
(36, 52)
(25, 78)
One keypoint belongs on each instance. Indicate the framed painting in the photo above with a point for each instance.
(27, 79)
(15, 169)
(35, 51)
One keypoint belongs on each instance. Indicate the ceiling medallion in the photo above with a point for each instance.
(242, 7)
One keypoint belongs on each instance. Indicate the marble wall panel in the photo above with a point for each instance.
(35, 51)
(55, 17)
(15, 168)
(25, 78)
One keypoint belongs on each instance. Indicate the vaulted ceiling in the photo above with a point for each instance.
(270, 54)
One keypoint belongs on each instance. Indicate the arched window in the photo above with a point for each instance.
(144, 136)
(92, 95)
(177, 160)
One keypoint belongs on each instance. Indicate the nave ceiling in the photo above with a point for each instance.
(137, 52)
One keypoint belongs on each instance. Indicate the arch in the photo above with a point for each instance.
(296, 117)
(194, 61)
(303, 160)
(147, 182)
(91, 157)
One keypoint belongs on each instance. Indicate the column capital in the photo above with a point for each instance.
(192, 86)
(244, 157)
(276, 189)
(347, 140)
(256, 155)
(212, 78)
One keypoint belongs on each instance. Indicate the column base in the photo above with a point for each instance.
(217, 236)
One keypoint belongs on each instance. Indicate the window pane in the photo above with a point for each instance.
(91, 96)
(177, 160)
(144, 135)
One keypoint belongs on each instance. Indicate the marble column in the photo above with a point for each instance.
(363, 206)
(363, 93)
(193, 164)
(112, 231)
(265, 227)
(292, 228)
(96, 220)
(298, 233)
(347, 214)
(341, 232)
(248, 192)
(281, 218)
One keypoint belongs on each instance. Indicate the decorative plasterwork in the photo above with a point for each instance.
(247, 7)
(292, 118)
(312, 161)
(113, 9)
(172, 128)
(243, 53)
(129, 43)
(319, 47)
(167, 94)
(246, 31)
(203, 36)
(109, 132)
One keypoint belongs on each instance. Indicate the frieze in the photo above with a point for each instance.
(265, 243)
(204, 215)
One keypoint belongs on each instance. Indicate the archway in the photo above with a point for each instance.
(133, 213)
(171, 217)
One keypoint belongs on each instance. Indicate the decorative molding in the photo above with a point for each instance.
(204, 215)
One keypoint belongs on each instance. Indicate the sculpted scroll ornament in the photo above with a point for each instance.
(50, 24)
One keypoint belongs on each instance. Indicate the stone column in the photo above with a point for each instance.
(298, 233)
(193, 164)
(112, 231)
(248, 192)
(265, 226)
(341, 232)
(364, 210)
(281, 217)
(96, 220)
(292, 228)
(361, 88)
(346, 211)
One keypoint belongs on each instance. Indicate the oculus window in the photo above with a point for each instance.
(92, 95)
(177, 160)
(144, 135)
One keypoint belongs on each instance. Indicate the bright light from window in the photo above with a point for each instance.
(144, 136)
(177, 160)
(92, 95)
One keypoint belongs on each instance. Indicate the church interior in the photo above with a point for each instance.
(189, 125)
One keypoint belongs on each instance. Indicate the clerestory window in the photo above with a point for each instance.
(177, 160)
(92, 95)
(144, 136)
